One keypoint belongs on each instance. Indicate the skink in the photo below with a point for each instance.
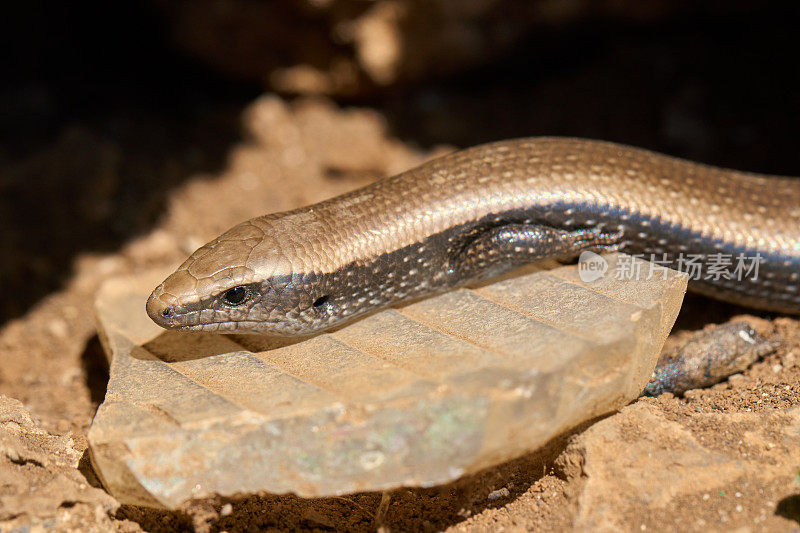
(480, 212)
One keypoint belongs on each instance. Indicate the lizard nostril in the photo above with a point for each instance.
(165, 315)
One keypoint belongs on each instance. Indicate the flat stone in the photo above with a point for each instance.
(412, 396)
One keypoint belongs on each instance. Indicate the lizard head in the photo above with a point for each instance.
(258, 277)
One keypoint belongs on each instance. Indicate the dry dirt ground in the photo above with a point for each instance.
(725, 458)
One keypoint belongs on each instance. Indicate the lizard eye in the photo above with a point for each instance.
(236, 295)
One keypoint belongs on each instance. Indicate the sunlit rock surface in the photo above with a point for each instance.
(414, 396)
(631, 478)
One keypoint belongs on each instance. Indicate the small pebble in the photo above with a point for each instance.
(499, 493)
(777, 368)
(736, 379)
(226, 509)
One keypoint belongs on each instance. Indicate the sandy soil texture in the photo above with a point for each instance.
(721, 458)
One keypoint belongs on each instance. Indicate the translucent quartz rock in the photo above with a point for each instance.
(414, 396)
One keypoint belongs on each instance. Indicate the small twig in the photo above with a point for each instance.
(380, 513)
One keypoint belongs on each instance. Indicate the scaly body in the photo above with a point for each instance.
(479, 212)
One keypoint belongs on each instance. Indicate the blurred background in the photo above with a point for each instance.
(107, 107)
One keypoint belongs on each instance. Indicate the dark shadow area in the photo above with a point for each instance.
(99, 120)
(95, 370)
(410, 509)
(698, 311)
(789, 508)
(713, 88)
(87, 470)
(176, 346)
(156, 520)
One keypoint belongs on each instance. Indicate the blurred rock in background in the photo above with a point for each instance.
(357, 47)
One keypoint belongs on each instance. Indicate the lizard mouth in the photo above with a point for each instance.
(179, 318)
